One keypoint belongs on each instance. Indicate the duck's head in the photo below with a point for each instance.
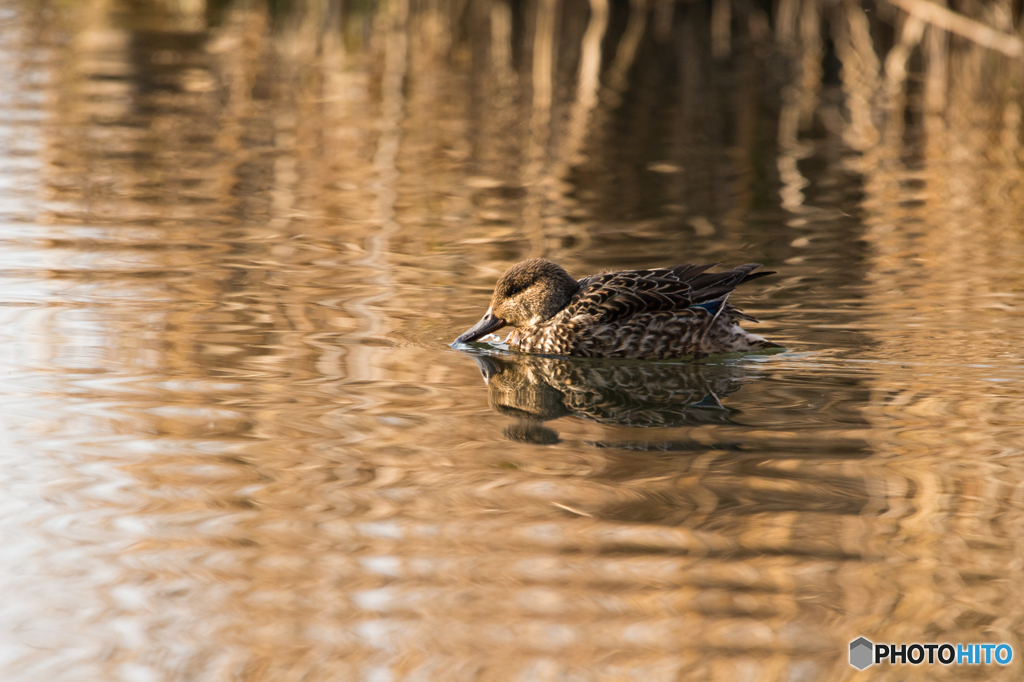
(527, 294)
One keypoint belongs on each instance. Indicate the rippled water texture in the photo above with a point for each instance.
(235, 242)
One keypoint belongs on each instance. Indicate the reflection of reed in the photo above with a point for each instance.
(939, 195)
(935, 119)
(394, 18)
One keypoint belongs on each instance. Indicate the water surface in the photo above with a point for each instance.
(235, 244)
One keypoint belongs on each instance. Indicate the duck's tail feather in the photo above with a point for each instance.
(738, 314)
(712, 286)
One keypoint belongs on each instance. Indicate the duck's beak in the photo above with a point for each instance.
(487, 324)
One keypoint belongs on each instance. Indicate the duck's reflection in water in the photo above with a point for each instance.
(729, 473)
(535, 389)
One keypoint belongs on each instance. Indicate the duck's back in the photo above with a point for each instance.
(647, 314)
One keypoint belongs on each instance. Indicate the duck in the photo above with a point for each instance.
(655, 314)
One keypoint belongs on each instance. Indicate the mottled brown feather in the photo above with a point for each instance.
(643, 314)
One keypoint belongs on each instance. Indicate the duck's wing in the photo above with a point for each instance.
(612, 296)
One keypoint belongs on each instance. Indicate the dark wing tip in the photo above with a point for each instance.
(757, 275)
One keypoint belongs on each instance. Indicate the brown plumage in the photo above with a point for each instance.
(641, 314)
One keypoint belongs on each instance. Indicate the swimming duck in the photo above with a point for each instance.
(640, 314)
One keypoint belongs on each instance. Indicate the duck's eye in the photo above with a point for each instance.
(514, 288)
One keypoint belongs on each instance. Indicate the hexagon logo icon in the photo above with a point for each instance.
(861, 653)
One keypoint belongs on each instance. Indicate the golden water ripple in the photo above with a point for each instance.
(236, 242)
